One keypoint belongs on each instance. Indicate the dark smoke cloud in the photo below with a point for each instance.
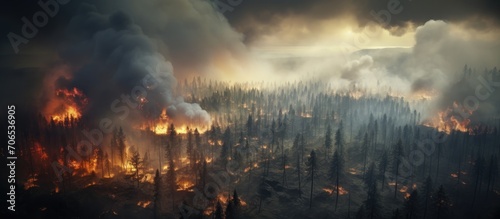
(189, 33)
(111, 57)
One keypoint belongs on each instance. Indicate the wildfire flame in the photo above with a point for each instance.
(40, 152)
(31, 182)
(330, 191)
(448, 121)
(185, 186)
(161, 126)
(143, 204)
(66, 105)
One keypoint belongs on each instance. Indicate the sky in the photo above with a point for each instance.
(409, 48)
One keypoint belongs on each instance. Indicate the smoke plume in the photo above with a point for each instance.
(116, 65)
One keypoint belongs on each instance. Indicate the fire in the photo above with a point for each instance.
(185, 160)
(330, 191)
(66, 105)
(185, 186)
(405, 191)
(161, 126)
(407, 195)
(90, 184)
(223, 198)
(40, 151)
(69, 112)
(165, 167)
(143, 204)
(454, 175)
(448, 121)
(31, 182)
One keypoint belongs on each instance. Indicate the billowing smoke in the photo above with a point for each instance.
(121, 71)
(352, 69)
(434, 66)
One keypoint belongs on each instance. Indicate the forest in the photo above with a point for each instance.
(291, 150)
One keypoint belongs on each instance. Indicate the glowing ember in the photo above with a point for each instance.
(185, 160)
(31, 182)
(90, 184)
(185, 186)
(39, 150)
(403, 189)
(165, 167)
(330, 191)
(143, 204)
(407, 195)
(454, 175)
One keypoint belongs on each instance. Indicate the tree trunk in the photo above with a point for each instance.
(312, 184)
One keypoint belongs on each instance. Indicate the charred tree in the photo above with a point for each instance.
(311, 167)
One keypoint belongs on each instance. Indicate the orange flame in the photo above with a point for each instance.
(330, 191)
(447, 121)
(40, 152)
(66, 104)
(31, 182)
(143, 204)
(185, 186)
(162, 124)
